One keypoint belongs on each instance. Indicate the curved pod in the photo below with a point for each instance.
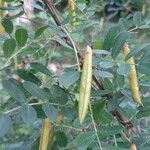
(132, 77)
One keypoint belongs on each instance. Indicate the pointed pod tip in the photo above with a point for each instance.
(88, 49)
(141, 104)
(81, 118)
(138, 101)
(81, 121)
(133, 147)
(126, 46)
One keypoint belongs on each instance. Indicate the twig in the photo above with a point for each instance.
(74, 47)
(126, 137)
(94, 125)
(68, 41)
(13, 55)
(115, 140)
(79, 9)
(58, 21)
(31, 104)
(66, 126)
(53, 11)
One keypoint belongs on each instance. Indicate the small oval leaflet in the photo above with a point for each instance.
(5, 124)
(106, 64)
(8, 47)
(103, 74)
(21, 36)
(50, 111)
(8, 25)
(28, 114)
(123, 70)
(68, 78)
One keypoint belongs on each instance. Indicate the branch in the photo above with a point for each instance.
(55, 15)
(53, 11)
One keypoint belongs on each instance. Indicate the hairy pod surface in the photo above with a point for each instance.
(132, 77)
(72, 9)
(45, 134)
(85, 84)
(48, 133)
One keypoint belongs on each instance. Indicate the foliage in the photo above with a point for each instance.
(32, 91)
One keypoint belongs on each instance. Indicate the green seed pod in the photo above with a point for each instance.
(46, 131)
(85, 84)
(132, 77)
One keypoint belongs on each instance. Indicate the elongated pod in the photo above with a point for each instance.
(46, 132)
(132, 77)
(85, 84)
(72, 9)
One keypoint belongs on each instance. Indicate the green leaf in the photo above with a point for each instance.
(11, 7)
(119, 42)
(50, 111)
(8, 25)
(108, 85)
(136, 50)
(61, 139)
(16, 15)
(104, 117)
(146, 103)
(109, 147)
(5, 124)
(10, 101)
(99, 93)
(85, 26)
(100, 114)
(39, 111)
(144, 113)
(8, 47)
(99, 107)
(106, 131)
(41, 68)
(21, 36)
(145, 26)
(145, 57)
(124, 23)
(72, 109)
(58, 95)
(83, 140)
(28, 76)
(28, 114)
(145, 83)
(62, 42)
(56, 29)
(120, 80)
(8, 0)
(100, 52)
(40, 31)
(137, 19)
(35, 90)
(103, 74)
(110, 38)
(68, 18)
(14, 90)
(68, 78)
(143, 68)
(123, 70)
(106, 64)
